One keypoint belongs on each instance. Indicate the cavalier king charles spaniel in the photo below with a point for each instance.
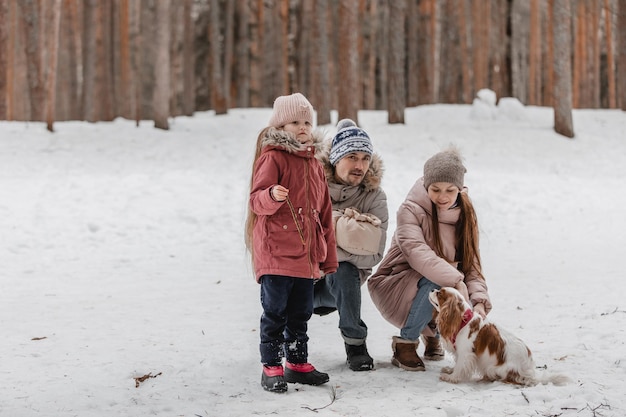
(480, 347)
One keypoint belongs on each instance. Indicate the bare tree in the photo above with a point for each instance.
(429, 39)
(53, 21)
(161, 97)
(36, 83)
(520, 16)
(242, 53)
(397, 53)
(610, 54)
(321, 91)
(4, 48)
(562, 68)
(534, 55)
(621, 53)
(348, 60)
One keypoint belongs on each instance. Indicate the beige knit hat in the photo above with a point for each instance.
(291, 108)
(445, 166)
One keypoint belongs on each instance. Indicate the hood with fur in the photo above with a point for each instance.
(282, 139)
(373, 176)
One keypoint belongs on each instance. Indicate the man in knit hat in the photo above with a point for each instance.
(353, 172)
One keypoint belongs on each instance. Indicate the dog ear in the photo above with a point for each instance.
(450, 317)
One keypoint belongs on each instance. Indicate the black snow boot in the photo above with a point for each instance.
(358, 358)
(304, 373)
(273, 379)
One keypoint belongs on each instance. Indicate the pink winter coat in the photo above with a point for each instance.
(411, 257)
(278, 247)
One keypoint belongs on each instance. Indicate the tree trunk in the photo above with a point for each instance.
(124, 69)
(396, 62)
(189, 87)
(348, 60)
(320, 83)
(520, 13)
(161, 98)
(621, 54)
(92, 19)
(534, 55)
(427, 50)
(500, 51)
(31, 21)
(465, 45)
(610, 54)
(4, 49)
(562, 67)
(52, 39)
(242, 53)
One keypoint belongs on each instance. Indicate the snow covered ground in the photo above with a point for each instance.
(121, 256)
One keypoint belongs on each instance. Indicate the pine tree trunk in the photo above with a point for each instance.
(52, 41)
(348, 60)
(31, 21)
(397, 53)
(534, 55)
(219, 103)
(243, 54)
(321, 91)
(610, 54)
(124, 69)
(4, 49)
(621, 54)
(161, 98)
(562, 68)
(520, 14)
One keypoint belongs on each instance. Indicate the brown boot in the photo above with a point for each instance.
(432, 348)
(405, 354)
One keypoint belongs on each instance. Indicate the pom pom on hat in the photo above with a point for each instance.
(348, 139)
(290, 108)
(445, 166)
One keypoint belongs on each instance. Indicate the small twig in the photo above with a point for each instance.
(333, 397)
(525, 397)
(140, 379)
(39, 338)
(617, 310)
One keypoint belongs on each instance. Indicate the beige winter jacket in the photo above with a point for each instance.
(411, 257)
(368, 197)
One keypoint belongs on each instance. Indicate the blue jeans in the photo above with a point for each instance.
(421, 312)
(287, 307)
(342, 290)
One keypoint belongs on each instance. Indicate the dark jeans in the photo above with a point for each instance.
(287, 307)
(342, 290)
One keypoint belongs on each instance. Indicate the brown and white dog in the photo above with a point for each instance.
(480, 347)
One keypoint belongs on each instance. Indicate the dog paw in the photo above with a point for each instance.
(447, 370)
(448, 378)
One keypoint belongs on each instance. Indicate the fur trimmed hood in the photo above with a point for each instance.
(373, 176)
(272, 136)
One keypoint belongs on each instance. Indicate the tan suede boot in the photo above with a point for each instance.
(405, 354)
(432, 348)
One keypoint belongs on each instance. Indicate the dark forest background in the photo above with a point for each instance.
(96, 60)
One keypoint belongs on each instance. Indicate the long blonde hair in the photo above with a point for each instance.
(466, 233)
(251, 217)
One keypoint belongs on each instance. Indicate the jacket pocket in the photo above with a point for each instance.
(283, 238)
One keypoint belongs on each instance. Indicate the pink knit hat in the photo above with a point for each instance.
(291, 108)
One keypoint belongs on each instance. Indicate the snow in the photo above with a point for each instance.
(122, 256)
